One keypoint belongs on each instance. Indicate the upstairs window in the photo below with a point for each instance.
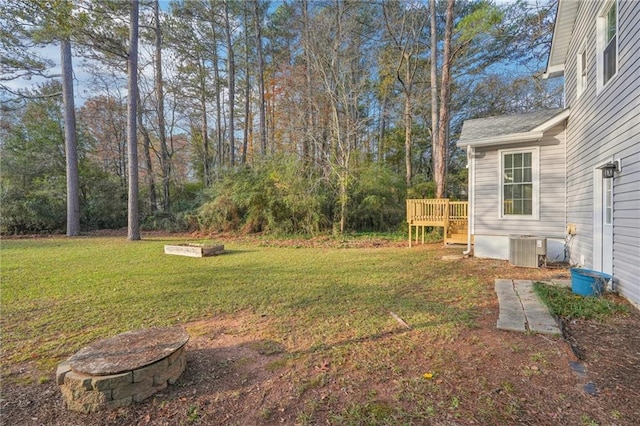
(607, 43)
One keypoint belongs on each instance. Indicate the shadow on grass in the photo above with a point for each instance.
(371, 338)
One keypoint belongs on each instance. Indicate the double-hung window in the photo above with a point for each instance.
(607, 43)
(519, 183)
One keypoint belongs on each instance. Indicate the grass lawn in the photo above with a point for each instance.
(286, 333)
(61, 294)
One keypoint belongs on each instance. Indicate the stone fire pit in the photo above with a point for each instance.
(123, 369)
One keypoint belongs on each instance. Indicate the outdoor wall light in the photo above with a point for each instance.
(609, 169)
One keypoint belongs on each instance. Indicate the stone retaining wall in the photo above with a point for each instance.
(87, 393)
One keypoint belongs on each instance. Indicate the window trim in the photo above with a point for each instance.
(601, 43)
(535, 178)
(582, 78)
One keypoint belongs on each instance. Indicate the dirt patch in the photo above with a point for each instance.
(610, 355)
(238, 372)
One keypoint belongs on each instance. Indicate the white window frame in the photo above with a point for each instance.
(535, 178)
(581, 69)
(601, 43)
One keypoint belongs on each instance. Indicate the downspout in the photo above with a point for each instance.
(471, 197)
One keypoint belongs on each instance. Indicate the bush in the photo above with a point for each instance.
(422, 190)
(377, 201)
(218, 215)
(279, 196)
(104, 204)
(40, 208)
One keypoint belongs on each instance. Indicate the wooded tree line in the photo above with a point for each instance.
(288, 116)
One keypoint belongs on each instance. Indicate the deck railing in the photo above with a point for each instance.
(458, 210)
(427, 212)
(440, 212)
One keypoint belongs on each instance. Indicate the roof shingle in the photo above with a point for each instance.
(481, 128)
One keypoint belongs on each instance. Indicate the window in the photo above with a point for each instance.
(519, 186)
(607, 43)
(581, 70)
(608, 201)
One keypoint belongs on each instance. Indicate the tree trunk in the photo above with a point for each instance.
(382, 127)
(206, 165)
(216, 76)
(133, 232)
(434, 86)
(407, 122)
(70, 143)
(309, 88)
(231, 84)
(165, 155)
(440, 169)
(262, 107)
(247, 90)
(146, 147)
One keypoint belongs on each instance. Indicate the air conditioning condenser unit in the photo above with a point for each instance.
(526, 250)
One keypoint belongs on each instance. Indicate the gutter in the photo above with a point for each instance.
(471, 186)
(533, 136)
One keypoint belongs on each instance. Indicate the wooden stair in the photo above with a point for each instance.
(456, 232)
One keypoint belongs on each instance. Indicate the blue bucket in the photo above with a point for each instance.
(586, 282)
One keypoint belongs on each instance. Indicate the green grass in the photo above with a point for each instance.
(564, 303)
(60, 294)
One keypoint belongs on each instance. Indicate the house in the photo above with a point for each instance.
(570, 175)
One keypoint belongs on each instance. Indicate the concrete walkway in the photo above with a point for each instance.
(521, 309)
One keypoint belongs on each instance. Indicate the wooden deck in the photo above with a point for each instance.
(450, 215)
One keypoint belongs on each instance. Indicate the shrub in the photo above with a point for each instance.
(377, 199)
(39, 208)
(220, 214)
(104, 203)
(279, 196)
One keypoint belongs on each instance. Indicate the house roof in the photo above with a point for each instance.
(528, 127)
(562, 31)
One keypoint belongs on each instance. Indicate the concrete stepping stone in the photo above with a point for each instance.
(511, 316)
(521, 309)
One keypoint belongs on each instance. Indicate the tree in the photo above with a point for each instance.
(231, 84)
(435, 144)
(441, 125)
(248, 127)
(104, 118)
(71, 145)
(165, 158)
(32, 164)
(17, 56)
(335, 85)
(262, 125)
(405, 27)
(469, 29)
(187, 34)
(133, 222)
(335, 56)
(310, 112)
(47, 22)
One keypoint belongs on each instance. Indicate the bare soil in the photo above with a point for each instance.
(238, 373)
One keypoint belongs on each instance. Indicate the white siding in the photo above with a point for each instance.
(551, 221)
(603, 126)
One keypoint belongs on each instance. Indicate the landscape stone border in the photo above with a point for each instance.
(127, 368)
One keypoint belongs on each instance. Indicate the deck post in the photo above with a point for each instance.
(409, 219)
(446, 217)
